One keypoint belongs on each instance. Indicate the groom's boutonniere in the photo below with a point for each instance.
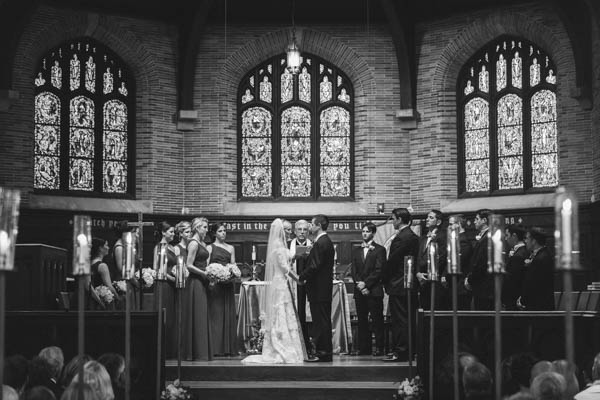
(528, 261)
(511, 253)
(371, 247)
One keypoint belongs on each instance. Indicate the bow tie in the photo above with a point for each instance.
(300, 243)
(431, 234)
(365, 244)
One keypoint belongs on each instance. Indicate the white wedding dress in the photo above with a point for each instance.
(283, 342)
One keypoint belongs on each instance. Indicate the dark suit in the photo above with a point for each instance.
(538, 282)
(482, 282)
(318, 274)
(369, 270)
(511, 289)
(466, 250)
(301, 294)
(439, 237)
(404, 244)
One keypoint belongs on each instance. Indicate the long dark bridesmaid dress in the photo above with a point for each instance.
(221, 303)
(168, 305)
(196, 321)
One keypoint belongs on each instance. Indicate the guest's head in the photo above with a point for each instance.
(568, 372)
(401, 216)
(72, 368)
(368, 231)
(115, 366)
(515, 233)
(548, 386)
(218, 232)
(96, 376)
(319, 223)
(445, 375)
(164, 232)
(39, 373)
(200, 227)
(9, 393)
(477, 381)
(287, 228)
(482, 219)
(434, 219)
(55, 358)
(520, 368)
(72, 392)
(16, 369)
(38, 393)
(535, 238)
(539, 368)
(457, 220)
(301, 229)
(99, 247)
(184, 228)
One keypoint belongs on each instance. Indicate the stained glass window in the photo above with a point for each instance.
(292, 147)
(82, 126)
(508, 135)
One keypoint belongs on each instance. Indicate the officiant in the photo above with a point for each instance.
(299, 251)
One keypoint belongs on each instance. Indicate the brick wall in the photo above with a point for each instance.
(198, 169)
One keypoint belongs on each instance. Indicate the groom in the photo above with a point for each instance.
(318, 278)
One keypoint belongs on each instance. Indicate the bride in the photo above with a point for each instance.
(283, 341)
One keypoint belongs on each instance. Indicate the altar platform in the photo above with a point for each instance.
(347, 377)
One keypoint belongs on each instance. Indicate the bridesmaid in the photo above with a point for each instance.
(184, 229)
(165, 233)
(221, 296)
(100, 274)
(116, 263)
(196, 329)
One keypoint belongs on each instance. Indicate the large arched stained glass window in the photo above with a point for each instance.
(507, 119)
(84, 98)
(295, 132)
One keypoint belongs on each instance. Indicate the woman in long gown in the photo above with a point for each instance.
(166, 233)
(221, 296)
(196, 326)
(283, 341)
(99, 274)
(116, 265)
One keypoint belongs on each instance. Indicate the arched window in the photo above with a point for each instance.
(507, 119)
(295, 132)
(84, 102)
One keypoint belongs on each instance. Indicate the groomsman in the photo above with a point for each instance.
(537, 293)
(367, 269)
(466, 250)
(435, 234)
(515, 266)
(318, 278)
(479, 280)
(298, 264)
(404, 243)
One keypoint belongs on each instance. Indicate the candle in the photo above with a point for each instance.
(253, 253)
(566, 237)
(4, 243)
(335, 253)
(83, 248)
(408, 272)
(179, 273)
(432, 262)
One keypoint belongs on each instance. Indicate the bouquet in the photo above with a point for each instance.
(148, 276)
(218, 273)
(120, 286)
(235, 271)
(176, 391)
(255, 343)
(410, 390)
(105, 294)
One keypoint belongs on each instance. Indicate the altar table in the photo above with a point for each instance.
(250, 306)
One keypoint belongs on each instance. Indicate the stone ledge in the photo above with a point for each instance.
(186, 119)
(295, 208)
(496, 203)
(87, 204)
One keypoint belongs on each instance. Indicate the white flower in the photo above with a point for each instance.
(120, 286)
(148, 276)
(234, 270)
(218, 272)
(105, 294)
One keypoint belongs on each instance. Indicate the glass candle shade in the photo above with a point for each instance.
(128, 266)
(161, 266)
(432, 261)
(409, 264)
(9, 227)
(453, 245)
(566, 230)
(82, 244)
(180, 273)
(496, 244)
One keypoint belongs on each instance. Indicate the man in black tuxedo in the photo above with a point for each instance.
(367, 269)
(515, 266)
(404, 243)
(299, 263)
(435, 234)
(537, 292)
(466, 250)
(479, 280)
(318, 278)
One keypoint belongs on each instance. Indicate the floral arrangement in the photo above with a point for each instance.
(235, 271)
(255, 343)
(176, 391)
(105, 294)
(120, 286)
(412, 389)
(148, 276)
(248, 270)
(222, 273)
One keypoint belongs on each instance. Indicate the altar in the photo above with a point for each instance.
(250, 306)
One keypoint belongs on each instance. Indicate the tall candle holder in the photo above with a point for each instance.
(254, 276)
(495, 237)
(433, 277)
(129, 253)
(566, 245)
(129, 258)
(161, 277)
(432, 261)
(454, 270)
(409, 284)
(179, 286)
(161, 267)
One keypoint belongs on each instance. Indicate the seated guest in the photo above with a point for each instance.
(367, 267)
(515, 266)
(100, 274)
(568, 372)
(39, 373)
(593, 391)
(54, 356)
(548, 386)
(38, 393)
(96, 376)
(520, 370)
(477, 382)
(9, 393)
(72, 368)
(539, 368)
(537, 291)
(16, 369)
(72, 393)
(115, 366)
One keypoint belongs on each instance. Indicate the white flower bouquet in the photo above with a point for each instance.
(412, 389)
(148, 276)
(234, 270)
(218, 273)
(105, 294)
(176, 391)
(120, 286)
